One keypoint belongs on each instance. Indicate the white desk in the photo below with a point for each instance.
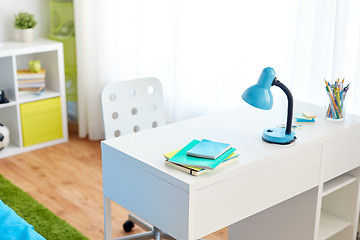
(266, 182)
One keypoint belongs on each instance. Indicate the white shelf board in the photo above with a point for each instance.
(13, 150)
(34, 97)
(10, 48)
(337, 183)
(9, 151)
(4, 105)
(331, 225)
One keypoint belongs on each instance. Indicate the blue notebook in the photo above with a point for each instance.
(208, 149)
(183, 159)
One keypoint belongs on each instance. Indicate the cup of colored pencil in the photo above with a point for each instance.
(336, 94)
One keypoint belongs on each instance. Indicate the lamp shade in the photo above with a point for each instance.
(259, 95)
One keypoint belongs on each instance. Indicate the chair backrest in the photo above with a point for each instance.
(132, 106)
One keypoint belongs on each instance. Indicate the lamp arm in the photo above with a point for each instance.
(290, 103)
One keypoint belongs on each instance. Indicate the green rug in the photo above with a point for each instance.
(44, 221)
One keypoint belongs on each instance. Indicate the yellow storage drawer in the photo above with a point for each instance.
(41, 121)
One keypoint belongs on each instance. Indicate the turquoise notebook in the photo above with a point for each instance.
(208, 149)
(183, 159)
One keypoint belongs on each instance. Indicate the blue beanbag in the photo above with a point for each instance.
(13, 227)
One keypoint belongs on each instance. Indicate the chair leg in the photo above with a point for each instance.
(157, 234)
(153, 232)
(138, 236)
(167, 236)
(141, 223)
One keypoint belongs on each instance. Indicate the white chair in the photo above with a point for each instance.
(128, 107)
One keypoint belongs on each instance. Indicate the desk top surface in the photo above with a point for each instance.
(242, 127)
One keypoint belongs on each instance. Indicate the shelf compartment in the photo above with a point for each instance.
(8, 117)
(337, 183)
(7, 77)
(331, 225)
(48, 60)
(339, 207)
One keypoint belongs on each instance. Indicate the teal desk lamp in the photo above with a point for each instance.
(260, 96)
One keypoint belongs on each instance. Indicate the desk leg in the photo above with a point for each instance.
(107, 218)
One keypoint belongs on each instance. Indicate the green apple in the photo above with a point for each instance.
(35, 66)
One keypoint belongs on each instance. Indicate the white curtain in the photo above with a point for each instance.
(207, 52)
(327, 46)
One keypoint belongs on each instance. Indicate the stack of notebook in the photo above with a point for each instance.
(305, 117)
(199, 157)
(31, 82)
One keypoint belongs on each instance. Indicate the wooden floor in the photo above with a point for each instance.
(67, 179)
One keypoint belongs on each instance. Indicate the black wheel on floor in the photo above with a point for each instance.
(128, 226)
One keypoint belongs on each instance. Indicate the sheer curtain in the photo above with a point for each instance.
(327, 46)
(206, 53)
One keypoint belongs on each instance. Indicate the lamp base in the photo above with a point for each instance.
(278, 136)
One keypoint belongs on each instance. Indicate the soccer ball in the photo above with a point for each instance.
(4, 136)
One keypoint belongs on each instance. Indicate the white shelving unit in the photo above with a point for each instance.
(14, 56)
(339, 208)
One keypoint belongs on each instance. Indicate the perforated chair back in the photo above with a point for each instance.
(132, 106)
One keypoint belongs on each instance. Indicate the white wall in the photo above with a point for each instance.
(8, 8)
